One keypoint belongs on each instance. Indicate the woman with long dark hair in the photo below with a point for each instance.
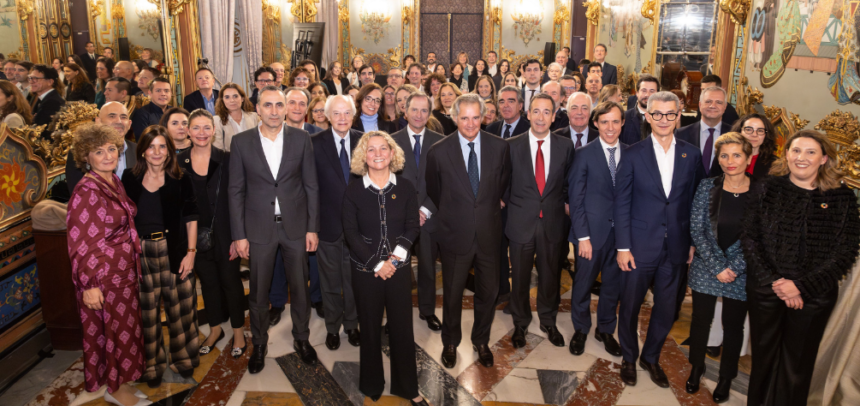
(504, 68)
(14, 110)
(104, 71)
(234, 113)
(80, 88)
(759, 131)
(175, 121)
(334, 79)
(480, 70)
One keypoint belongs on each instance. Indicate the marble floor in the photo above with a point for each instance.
(538, 374)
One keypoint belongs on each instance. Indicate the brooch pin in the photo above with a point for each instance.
(684, 155)
(823, 205)
(187, 160)
(393, 196)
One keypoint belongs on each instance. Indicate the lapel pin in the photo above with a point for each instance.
(187, 160)
(823, 205)
(684, 155)
(393, 196)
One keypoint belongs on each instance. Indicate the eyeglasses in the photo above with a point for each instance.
(33, 79)
(757, 131)
(395, 76)
(265, 81)
(318, 111)
(369, 99)
(303, 80)
(659, 116)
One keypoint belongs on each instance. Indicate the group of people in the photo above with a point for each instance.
(329, 186)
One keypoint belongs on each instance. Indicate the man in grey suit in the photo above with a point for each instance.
(415, 140)
(536, 212)
(272, 173)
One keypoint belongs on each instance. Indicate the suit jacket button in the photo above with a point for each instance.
(667, 203)
(276, 185)
(273, 203)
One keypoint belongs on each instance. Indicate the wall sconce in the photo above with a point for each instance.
(375, 10)
(406, 14)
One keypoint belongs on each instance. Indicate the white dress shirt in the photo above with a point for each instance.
(527, 95)
(533, 145)
(274, 151)
(493, 69)
(703, 137)
(573, 133)
(121, 163)
(666, 163)
(412, 140)
(337, 139)
(617, 154)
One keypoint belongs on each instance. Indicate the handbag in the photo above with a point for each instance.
(204, 234)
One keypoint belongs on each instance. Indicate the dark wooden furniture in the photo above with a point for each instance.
(59, 304)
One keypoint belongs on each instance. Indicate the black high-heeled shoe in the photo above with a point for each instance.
(695, 379)
(206, 349)
(721, 392)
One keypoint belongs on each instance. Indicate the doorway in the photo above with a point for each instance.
(449, 27)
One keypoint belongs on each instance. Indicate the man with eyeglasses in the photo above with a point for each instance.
(44, 84)
(703, 133)
(731, 115)
(395, 78)
(366, 75)
(660, 174)
(635, 118)
(263, 76)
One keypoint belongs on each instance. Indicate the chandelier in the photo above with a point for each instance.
(527, 10)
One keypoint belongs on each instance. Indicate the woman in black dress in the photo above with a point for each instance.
(80, 88)
(380, 221)
(218, 267)
(801, 236)
(442, 103)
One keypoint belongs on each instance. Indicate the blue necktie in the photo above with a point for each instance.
(507, 132)
(612, 164)
(417, 149)
(473, 168)
(344, 161)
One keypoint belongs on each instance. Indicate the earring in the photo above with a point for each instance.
(88, 166)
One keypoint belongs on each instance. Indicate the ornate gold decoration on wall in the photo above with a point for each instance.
(406, 13)
(592, 11)
(647, 68)
(271, 11)
(748, 97)
(736, 9)
(303, 10)
(798, 122)
(342, 13)
(843, 129)
(98, 8)
(562, 15)
(69, 119)
(117, 11)
(25, 8)
(649, 10)
(515, 60)
(286, 55)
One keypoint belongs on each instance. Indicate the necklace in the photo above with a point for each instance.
(735, 187)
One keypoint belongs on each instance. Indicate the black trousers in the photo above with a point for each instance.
(733, 315)
(373, 296)
(262, 268)
(544, 254)
(222, 287)
(784, 346)
(504, 265)
(428, 251)
(682, 291)
(455, 270)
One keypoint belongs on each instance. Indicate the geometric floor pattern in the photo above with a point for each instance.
(538, 374)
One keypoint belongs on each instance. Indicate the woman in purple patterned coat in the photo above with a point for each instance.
(104, 250)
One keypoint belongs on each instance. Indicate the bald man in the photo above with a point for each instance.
(125, 70)
(115, 115)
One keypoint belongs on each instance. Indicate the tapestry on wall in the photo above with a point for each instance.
(845, 84)
(788, 35)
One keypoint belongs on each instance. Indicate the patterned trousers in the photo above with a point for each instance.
(158, 284)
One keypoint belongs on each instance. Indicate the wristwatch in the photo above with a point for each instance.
(395, 261)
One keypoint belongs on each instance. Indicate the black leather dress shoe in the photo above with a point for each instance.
(577, 343)
(353, 337)
(485, 356)
(449, 356)
(518, 339)
(554, 335)
(721, 392)
(695, 379)
(318, 306)
(628, 373)
(275, 315)
(714, 352)
(306, 351)
(433, 322)
(258, 358)
(609, 342)
(332, 341)
(656, 372)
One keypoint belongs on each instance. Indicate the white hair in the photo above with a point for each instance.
(556, 65)
(344, 98)
(572, 96)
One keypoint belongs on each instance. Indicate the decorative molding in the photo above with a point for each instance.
(493, 27)
(649, 10)
(736, 9)
(748, 97)
(592, 11)
(25, 8)
(561, 23)
(843, 129)
(305, 11)
(510, 55)
(29, 197)
(344, 43)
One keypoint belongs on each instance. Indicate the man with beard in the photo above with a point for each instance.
(635, 118)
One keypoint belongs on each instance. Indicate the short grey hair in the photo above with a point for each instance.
(515, 90)
(554, 64)
(575, 94)
(272, 88)
(341, 97)
(713, 89)
(550, 83)
(467, 98)
(664, 97)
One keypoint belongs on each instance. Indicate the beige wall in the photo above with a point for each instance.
(615, 53)
(392, 37)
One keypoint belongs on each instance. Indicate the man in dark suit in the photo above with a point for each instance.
(730, 115)
(416, 140)
(44, 82)
(556, 92)
(703, 133)
(580, 129)
(535, 228)
(467, 175)
(610, 72)
(659, 174)
(561, 59)
(274, 205)
(592, 201)
(297, 108)
(151, 114)
(205, 95)
(125, 70)
(89, 59)
(634, 118)
(531, 82)
(115, 115)
(571, 63)
(510, 108)
(332, 153)
(263, 76)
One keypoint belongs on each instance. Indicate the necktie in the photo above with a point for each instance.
(708, 151)
(344, 161)
(417, 149)
(473, 168)
(612, 164)
(578, 141)
(507, 132)
(540, 174)
(530, 98)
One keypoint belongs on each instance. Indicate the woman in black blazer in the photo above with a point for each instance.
(368, 102)
(80, 88)
(334, 80)
(380, 221)
(166, 221)
(448, 92)
(218, 267)
(480, 70)
(504, 67)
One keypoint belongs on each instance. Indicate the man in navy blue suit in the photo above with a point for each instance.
(592, 201)
(610, 72)
(205, 95)
(652, 237)
(634, 117)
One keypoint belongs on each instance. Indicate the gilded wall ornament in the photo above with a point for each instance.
(649, 10)
(842, 128)
(736, 9)
(592, 11)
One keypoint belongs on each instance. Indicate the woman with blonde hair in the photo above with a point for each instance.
(14, 110)
(510, 79)
(316, 113)
(609, 93)
(801, 232)
(234, 113)
(80, 88)
(379, 228)
(448, 92)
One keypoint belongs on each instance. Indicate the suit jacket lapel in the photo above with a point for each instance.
(680, 168)
(286, 150)
(330, 151)
(455, 154)
(556, 158)
(406, 145)
(258, 146)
